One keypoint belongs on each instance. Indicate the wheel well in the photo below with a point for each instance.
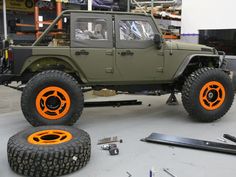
(200, 62)
(50, 64)
(195, 63)
(44, 64)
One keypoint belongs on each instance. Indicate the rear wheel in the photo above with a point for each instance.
(207, 94)
(52, 98)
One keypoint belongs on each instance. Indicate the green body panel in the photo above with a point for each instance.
(144, 65)
(107, 65)
(98, 66)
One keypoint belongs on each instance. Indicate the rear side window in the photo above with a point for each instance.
(132, 30)
(91, 29)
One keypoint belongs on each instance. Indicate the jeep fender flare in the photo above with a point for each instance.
(188, 59)
(31, 61)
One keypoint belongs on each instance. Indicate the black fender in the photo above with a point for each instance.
(190, 58)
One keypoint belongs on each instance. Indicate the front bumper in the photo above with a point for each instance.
(231, 66)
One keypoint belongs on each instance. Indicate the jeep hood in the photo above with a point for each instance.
(188, 46)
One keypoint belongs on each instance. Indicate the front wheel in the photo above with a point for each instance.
(52, 98)
(207, 94)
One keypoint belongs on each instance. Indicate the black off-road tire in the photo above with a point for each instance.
(35, 160)
(52, 78)
(191, 92)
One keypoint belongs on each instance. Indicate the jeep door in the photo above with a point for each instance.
(137, 57)
(92, 45)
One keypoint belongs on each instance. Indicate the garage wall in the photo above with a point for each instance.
(24, 18)
(206, 14)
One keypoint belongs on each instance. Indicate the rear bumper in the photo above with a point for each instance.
(6, 78)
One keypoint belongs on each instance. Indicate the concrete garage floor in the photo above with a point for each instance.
(131, 124)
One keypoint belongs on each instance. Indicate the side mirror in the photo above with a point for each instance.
(158, 40)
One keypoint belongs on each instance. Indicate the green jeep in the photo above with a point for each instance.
(119, 51)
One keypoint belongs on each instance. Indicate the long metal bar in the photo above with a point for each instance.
(155, 2)
(36, 19)
(152, 5)
(128, 5)
(4, 19)
(112, 103)
(24, 25)
(191, 143)
(90, 5)
(139, 5)
(90, 8)
(59, 11)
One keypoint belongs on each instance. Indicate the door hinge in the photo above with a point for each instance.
(160, 69)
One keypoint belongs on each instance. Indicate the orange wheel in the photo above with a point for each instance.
(48, 151)
(205, 99)
(53, 103)
(49, 137)
(212, 95)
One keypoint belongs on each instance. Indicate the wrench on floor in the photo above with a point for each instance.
(168, 172)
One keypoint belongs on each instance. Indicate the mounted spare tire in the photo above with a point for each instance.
(48, 151)
(52, 98)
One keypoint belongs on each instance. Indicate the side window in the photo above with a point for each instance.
(91, 29)
(132, 30)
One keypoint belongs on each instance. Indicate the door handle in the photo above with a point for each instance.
(127, 52)
(109, 52)
(82, 52)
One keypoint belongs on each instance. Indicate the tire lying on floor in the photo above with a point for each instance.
(207, 94)
(48, 151)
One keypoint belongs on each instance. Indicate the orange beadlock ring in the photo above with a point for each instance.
(49, 137)
(212, 95)
(53, 103)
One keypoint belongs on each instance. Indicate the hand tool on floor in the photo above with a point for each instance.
(222, 140)
(230, 137)
(109, 140)
(168, 172)
(108, 146)
(128, 174)
(153, 172)
(114, 151)
(112, 148)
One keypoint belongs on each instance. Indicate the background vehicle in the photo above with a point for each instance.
(114, 50)
(116, 5)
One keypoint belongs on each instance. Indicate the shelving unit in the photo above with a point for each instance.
(167, 15)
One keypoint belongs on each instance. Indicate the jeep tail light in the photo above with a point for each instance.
(10, 55)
